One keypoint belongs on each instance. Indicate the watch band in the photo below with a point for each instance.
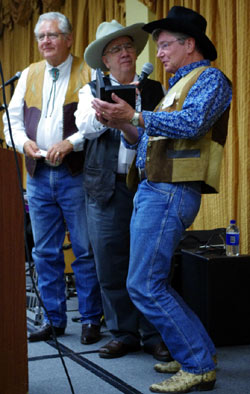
(135, 121)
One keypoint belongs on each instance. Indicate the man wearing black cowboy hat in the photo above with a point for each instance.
(109, 202)
(179, 152)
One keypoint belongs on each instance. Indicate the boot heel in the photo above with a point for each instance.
(206, 386)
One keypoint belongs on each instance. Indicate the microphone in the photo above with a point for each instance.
(13, 79)
(147, 69)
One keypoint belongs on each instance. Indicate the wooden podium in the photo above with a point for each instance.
(13, 329)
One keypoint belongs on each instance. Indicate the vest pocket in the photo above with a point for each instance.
(99, 183)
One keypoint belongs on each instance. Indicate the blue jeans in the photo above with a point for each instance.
(161, 213)
(56, 198)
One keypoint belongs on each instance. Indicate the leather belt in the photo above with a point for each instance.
(121, 177)
(142, 174)
(48, 163)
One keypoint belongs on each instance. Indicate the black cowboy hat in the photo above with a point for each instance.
(185, 20)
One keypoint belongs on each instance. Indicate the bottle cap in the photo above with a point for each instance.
(233, 221)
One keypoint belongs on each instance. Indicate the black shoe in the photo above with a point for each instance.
(115, 349)
(45, 333)
(90, 333)
(159, 351)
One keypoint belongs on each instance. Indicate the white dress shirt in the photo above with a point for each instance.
(50, 126)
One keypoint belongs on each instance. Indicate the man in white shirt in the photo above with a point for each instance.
(43, 126)
(109, 202)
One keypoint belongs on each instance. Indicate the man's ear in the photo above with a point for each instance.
(190, 44)
(69, 39)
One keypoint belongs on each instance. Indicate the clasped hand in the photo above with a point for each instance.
(113, 115)
(55, 153)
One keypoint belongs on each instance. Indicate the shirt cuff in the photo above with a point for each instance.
(147, 118)
(127, 145)
(77, 141)
(98, 126)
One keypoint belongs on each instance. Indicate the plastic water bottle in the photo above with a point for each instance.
(232, 239)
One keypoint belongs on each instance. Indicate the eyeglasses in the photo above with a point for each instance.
(165, 45)
(50, 36)
(117, 49)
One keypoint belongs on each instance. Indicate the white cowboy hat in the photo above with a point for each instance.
(108, 31)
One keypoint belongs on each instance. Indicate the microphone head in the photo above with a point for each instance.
(147, 68)
(18, 74)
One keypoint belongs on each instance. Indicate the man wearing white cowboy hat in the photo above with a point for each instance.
(179, 153)
(109, 202)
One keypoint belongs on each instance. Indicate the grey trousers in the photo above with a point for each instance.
(108, 226)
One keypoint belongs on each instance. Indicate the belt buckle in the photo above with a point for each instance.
(57, 163)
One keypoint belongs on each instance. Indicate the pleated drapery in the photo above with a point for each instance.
(228, 26)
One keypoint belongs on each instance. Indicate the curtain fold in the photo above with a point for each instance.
(18, 19)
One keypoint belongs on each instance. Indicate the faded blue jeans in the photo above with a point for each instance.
(162, 211)
(55, 198)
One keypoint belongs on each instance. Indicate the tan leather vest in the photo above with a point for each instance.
(33, 106)
(186, 160)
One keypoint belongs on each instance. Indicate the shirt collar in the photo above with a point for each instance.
(112, 78)
(61, 67)
(186, 70)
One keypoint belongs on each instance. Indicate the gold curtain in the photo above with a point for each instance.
(18, 47)
(228, 26)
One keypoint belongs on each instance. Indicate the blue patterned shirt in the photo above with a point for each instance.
(206, 101)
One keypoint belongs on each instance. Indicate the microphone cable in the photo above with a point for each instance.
(25, 233)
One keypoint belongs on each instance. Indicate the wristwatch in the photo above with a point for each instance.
(135, 121)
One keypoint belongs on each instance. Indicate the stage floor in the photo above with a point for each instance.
(131, 374)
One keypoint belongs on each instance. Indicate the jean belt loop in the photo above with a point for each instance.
(142, 173)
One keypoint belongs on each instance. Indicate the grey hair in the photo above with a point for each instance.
(180, 36)
(63, 22)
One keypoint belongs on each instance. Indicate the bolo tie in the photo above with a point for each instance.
(55, 75)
